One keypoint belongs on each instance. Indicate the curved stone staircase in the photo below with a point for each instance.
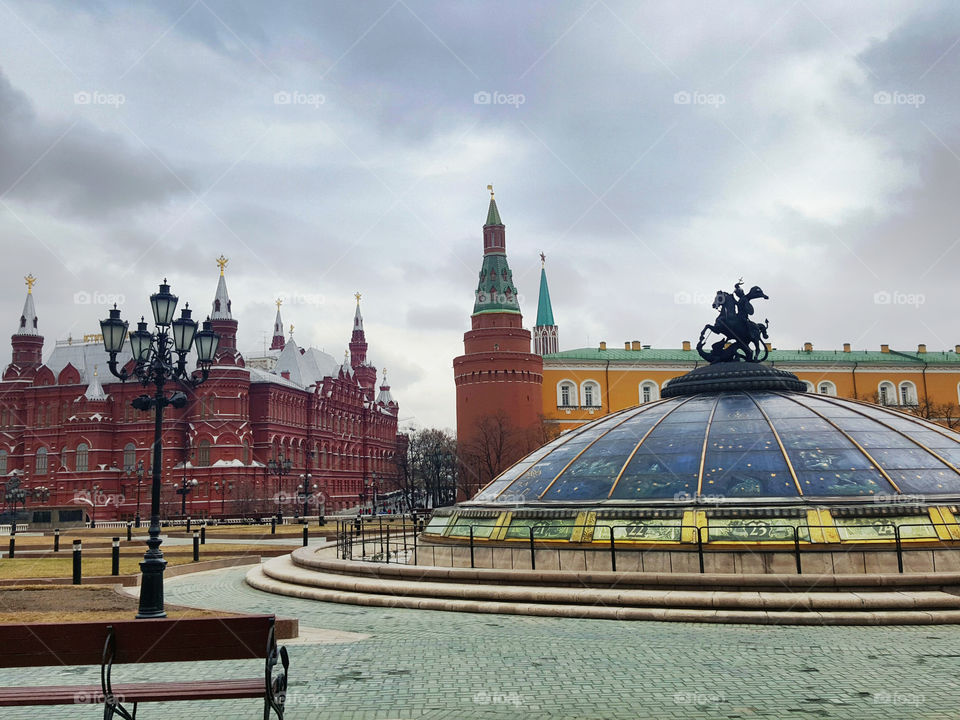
(763, 599)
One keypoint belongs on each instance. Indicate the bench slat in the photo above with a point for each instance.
(138, 641)
(133, 692)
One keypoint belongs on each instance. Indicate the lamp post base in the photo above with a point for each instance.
(151, 582)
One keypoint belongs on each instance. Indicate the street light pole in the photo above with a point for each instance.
(183, 491)
(155, 366)
(279, 467)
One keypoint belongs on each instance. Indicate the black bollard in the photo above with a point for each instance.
(115, 558)
(188, 523)
(129, 531)
(196, 546)
(76, 562)
(56, 540)
(203, 534)
(273, 526)
(12, 541)
(306, 535)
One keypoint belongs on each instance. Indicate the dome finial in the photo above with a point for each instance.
(357, 295)
(30, 280)
(490, 188)
(222, 262)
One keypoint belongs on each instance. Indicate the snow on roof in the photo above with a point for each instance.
(84, 357)
(305, 368)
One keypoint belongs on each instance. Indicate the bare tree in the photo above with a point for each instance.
(430, 467)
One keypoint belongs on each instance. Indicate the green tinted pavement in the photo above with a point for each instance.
(428, 664)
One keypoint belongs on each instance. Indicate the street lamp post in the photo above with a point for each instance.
(139, 473)
(185, 489)
(223, 486)
(155, 366)
(306, 477)
(279, 467)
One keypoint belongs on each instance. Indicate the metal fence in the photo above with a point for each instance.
(398, 543)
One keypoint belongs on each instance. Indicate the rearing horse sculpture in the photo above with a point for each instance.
(743, 339)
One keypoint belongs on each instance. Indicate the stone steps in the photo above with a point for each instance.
(286, 577)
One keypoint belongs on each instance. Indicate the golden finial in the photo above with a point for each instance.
(384, 376)
(357, 296)
(222, 262)
(31, 281)
(279, 303)
(543, 260)
(291, 329)
(94, 370)
(490, 188)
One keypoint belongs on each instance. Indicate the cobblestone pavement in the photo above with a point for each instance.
(433, 665)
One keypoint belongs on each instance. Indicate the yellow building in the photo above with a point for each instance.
(584, 384)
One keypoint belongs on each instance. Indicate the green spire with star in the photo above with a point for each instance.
(544, 308)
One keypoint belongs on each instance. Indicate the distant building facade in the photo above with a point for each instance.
(69, 433)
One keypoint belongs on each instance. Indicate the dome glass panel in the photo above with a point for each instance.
(728, 446)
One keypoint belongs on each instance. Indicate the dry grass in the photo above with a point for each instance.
(48, 567)
(40, 603)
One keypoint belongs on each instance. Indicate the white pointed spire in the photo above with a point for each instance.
(95, 389)
(385, 397)
(278, 323)
(28, 319)
(221, 301)
(357, 317)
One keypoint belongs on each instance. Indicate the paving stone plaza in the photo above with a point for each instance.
(432, 665)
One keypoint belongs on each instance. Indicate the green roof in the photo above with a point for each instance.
(544, 308)
(493, 215)
(834, 357)
(495, 289)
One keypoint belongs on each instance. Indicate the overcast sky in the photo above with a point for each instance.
(654, 151)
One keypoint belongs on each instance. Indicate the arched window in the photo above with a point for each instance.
(908, 393)
(40, 464)
(203, 454)
(886, 393)
(83, 457)
(3, 462)
(591, 394)
(649, 391)
(129, 456)
(566, 394)
(246, 453)
(809, 386)
(826, 388)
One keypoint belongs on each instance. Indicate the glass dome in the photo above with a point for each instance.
(736, 447)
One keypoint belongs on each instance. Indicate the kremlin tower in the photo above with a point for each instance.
(546, 339)
(497, 376)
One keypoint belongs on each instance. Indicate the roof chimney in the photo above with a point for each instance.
(635, 345)
(285, 374)
(884, 348)
(626, 345)
(603, 345)
(846, 347)
(921, 348)
(686, 345)
(808, 347)
(956, 349)
(769, 346)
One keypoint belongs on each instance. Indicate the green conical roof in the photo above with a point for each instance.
(493, 215)
(544, 308)
(495, 290)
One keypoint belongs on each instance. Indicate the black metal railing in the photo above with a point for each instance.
(396, 539)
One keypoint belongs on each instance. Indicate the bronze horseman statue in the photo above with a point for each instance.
(743, 339)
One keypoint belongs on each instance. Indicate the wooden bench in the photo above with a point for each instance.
(145, 641)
